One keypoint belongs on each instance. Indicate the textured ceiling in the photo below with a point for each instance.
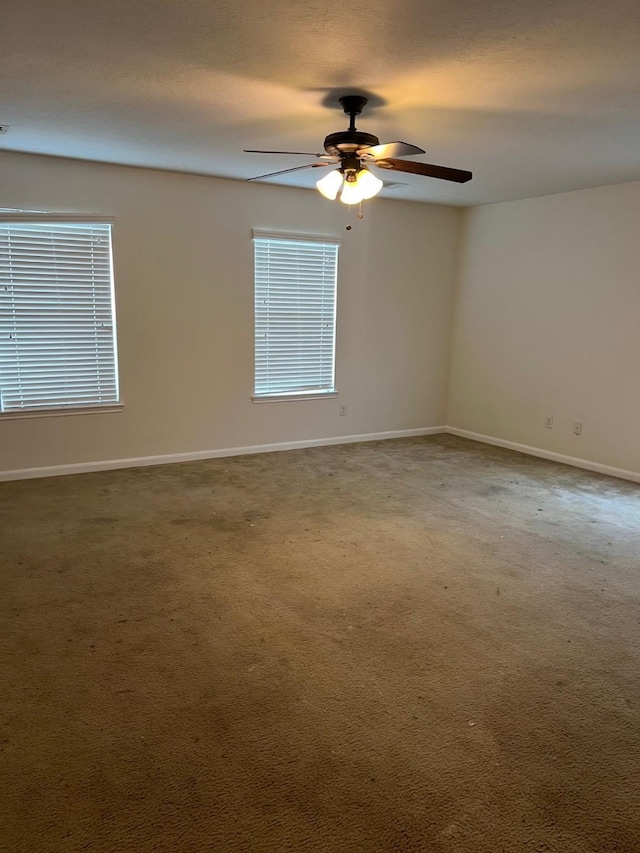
(533, 97)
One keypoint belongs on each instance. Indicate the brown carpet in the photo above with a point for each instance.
(416, 645)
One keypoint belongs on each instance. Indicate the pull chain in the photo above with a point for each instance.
(360, 215)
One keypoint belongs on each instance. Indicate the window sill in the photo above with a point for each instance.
(288, 398)
(61, 412)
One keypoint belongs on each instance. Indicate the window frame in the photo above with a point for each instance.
(307, 394)
(39, 217)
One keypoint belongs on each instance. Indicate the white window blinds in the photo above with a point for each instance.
(295, 315)
(57, 324)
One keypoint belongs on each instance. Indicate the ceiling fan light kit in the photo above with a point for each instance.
(353, 151)
(356, 185)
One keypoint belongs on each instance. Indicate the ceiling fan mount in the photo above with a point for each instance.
(353, 104)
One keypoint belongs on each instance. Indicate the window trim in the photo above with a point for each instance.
(259, 234)
(294, 395)
(43, 217)
(108, 408)
(304, 394)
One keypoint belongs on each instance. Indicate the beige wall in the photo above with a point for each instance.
(548, 322)
(184, 292)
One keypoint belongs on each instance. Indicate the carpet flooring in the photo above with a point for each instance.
(414, 645)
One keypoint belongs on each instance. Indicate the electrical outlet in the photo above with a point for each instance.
(548, 422)
(577, 427)
(343, 408)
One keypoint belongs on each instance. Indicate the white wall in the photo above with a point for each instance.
(547, 321)
(184, 293)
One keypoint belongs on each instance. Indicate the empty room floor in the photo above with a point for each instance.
(413, 645)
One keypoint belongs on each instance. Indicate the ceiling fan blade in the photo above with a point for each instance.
(391, 149)
(430, 171)
(261, 151)
(285, 171)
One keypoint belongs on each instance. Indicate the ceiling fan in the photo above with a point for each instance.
(353, 151)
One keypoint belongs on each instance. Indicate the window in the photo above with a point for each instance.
(295, 315)
(57, 323)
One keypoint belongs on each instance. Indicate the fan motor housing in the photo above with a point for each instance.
(347, 142)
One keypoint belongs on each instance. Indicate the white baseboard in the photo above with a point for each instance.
(143, 461)
(168, 459)
(546, 454)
